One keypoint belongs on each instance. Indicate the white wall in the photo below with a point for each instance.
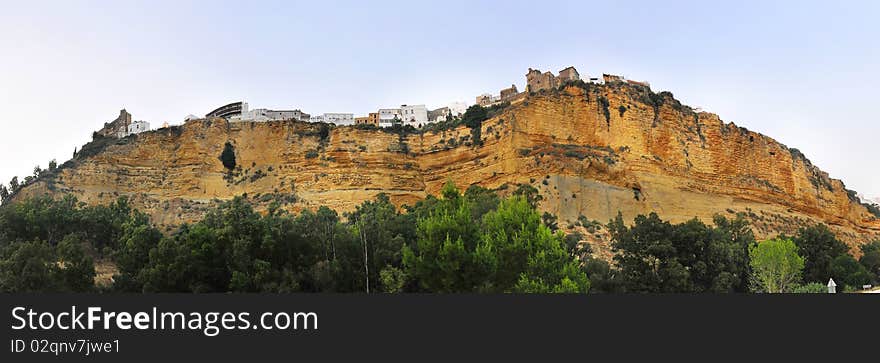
(414, 114)
(137, 127)
(340, 119)
(457, 108)
(388, 114)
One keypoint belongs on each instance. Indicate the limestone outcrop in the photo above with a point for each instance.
(591, 150)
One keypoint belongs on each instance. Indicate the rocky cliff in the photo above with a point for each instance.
(591, 150)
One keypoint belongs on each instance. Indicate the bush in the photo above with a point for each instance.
(811, 288)
(603, 102)
(873, 209)
(311, 154)
(848, 272)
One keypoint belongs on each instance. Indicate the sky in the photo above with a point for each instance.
(802, 72)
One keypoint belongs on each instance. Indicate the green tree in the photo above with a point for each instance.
(392, 279)
(4, 193)
(818, 246)
(647, 257)
(481, 200)
(849, 272)
(42, 218)
(446, 256)
(572, 243)
(382, 232)
(76, 272)
(776, 265)
(871, 259)
(530, 257)
(474, 116)
(28, 267)
(53, 165)
(512, 250)
(729, 259)
(603, 278)
(134, 255)
(13, 185)
(530, 193)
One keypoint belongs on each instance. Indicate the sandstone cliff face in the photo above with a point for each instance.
(590, 150)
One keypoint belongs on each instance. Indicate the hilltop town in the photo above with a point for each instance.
(590, 146)
(416, 116)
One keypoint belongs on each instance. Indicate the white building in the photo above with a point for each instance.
(457, 108)
(488, 99)
(340, 119)
(387, 115)
(415, 115)
(287, 115)
(263, 114)
(137, 127)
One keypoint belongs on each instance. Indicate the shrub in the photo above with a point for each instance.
(603, 102)
(811, 288)
(311, 154)
(873, 209)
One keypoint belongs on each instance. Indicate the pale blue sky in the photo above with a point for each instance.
(801, 72)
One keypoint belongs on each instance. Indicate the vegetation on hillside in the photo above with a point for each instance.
(474, 241)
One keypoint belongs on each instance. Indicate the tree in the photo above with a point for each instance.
(603, 278)
(28, 267)
(474, 116)
(76, 272)
(646, 255)
(530, 193)
(134, 255)
(13, 185)
(550, 221)
(446, 256)
(482, 201)
(392, 279)
(530, 258)
(818, 246)
(53, 165)
(382, 231)
(511, 250)
(871, 259)
(37, 171)
(731, 257)
(847, 271)
(4, 193)
(572, 243)
(776, 265)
